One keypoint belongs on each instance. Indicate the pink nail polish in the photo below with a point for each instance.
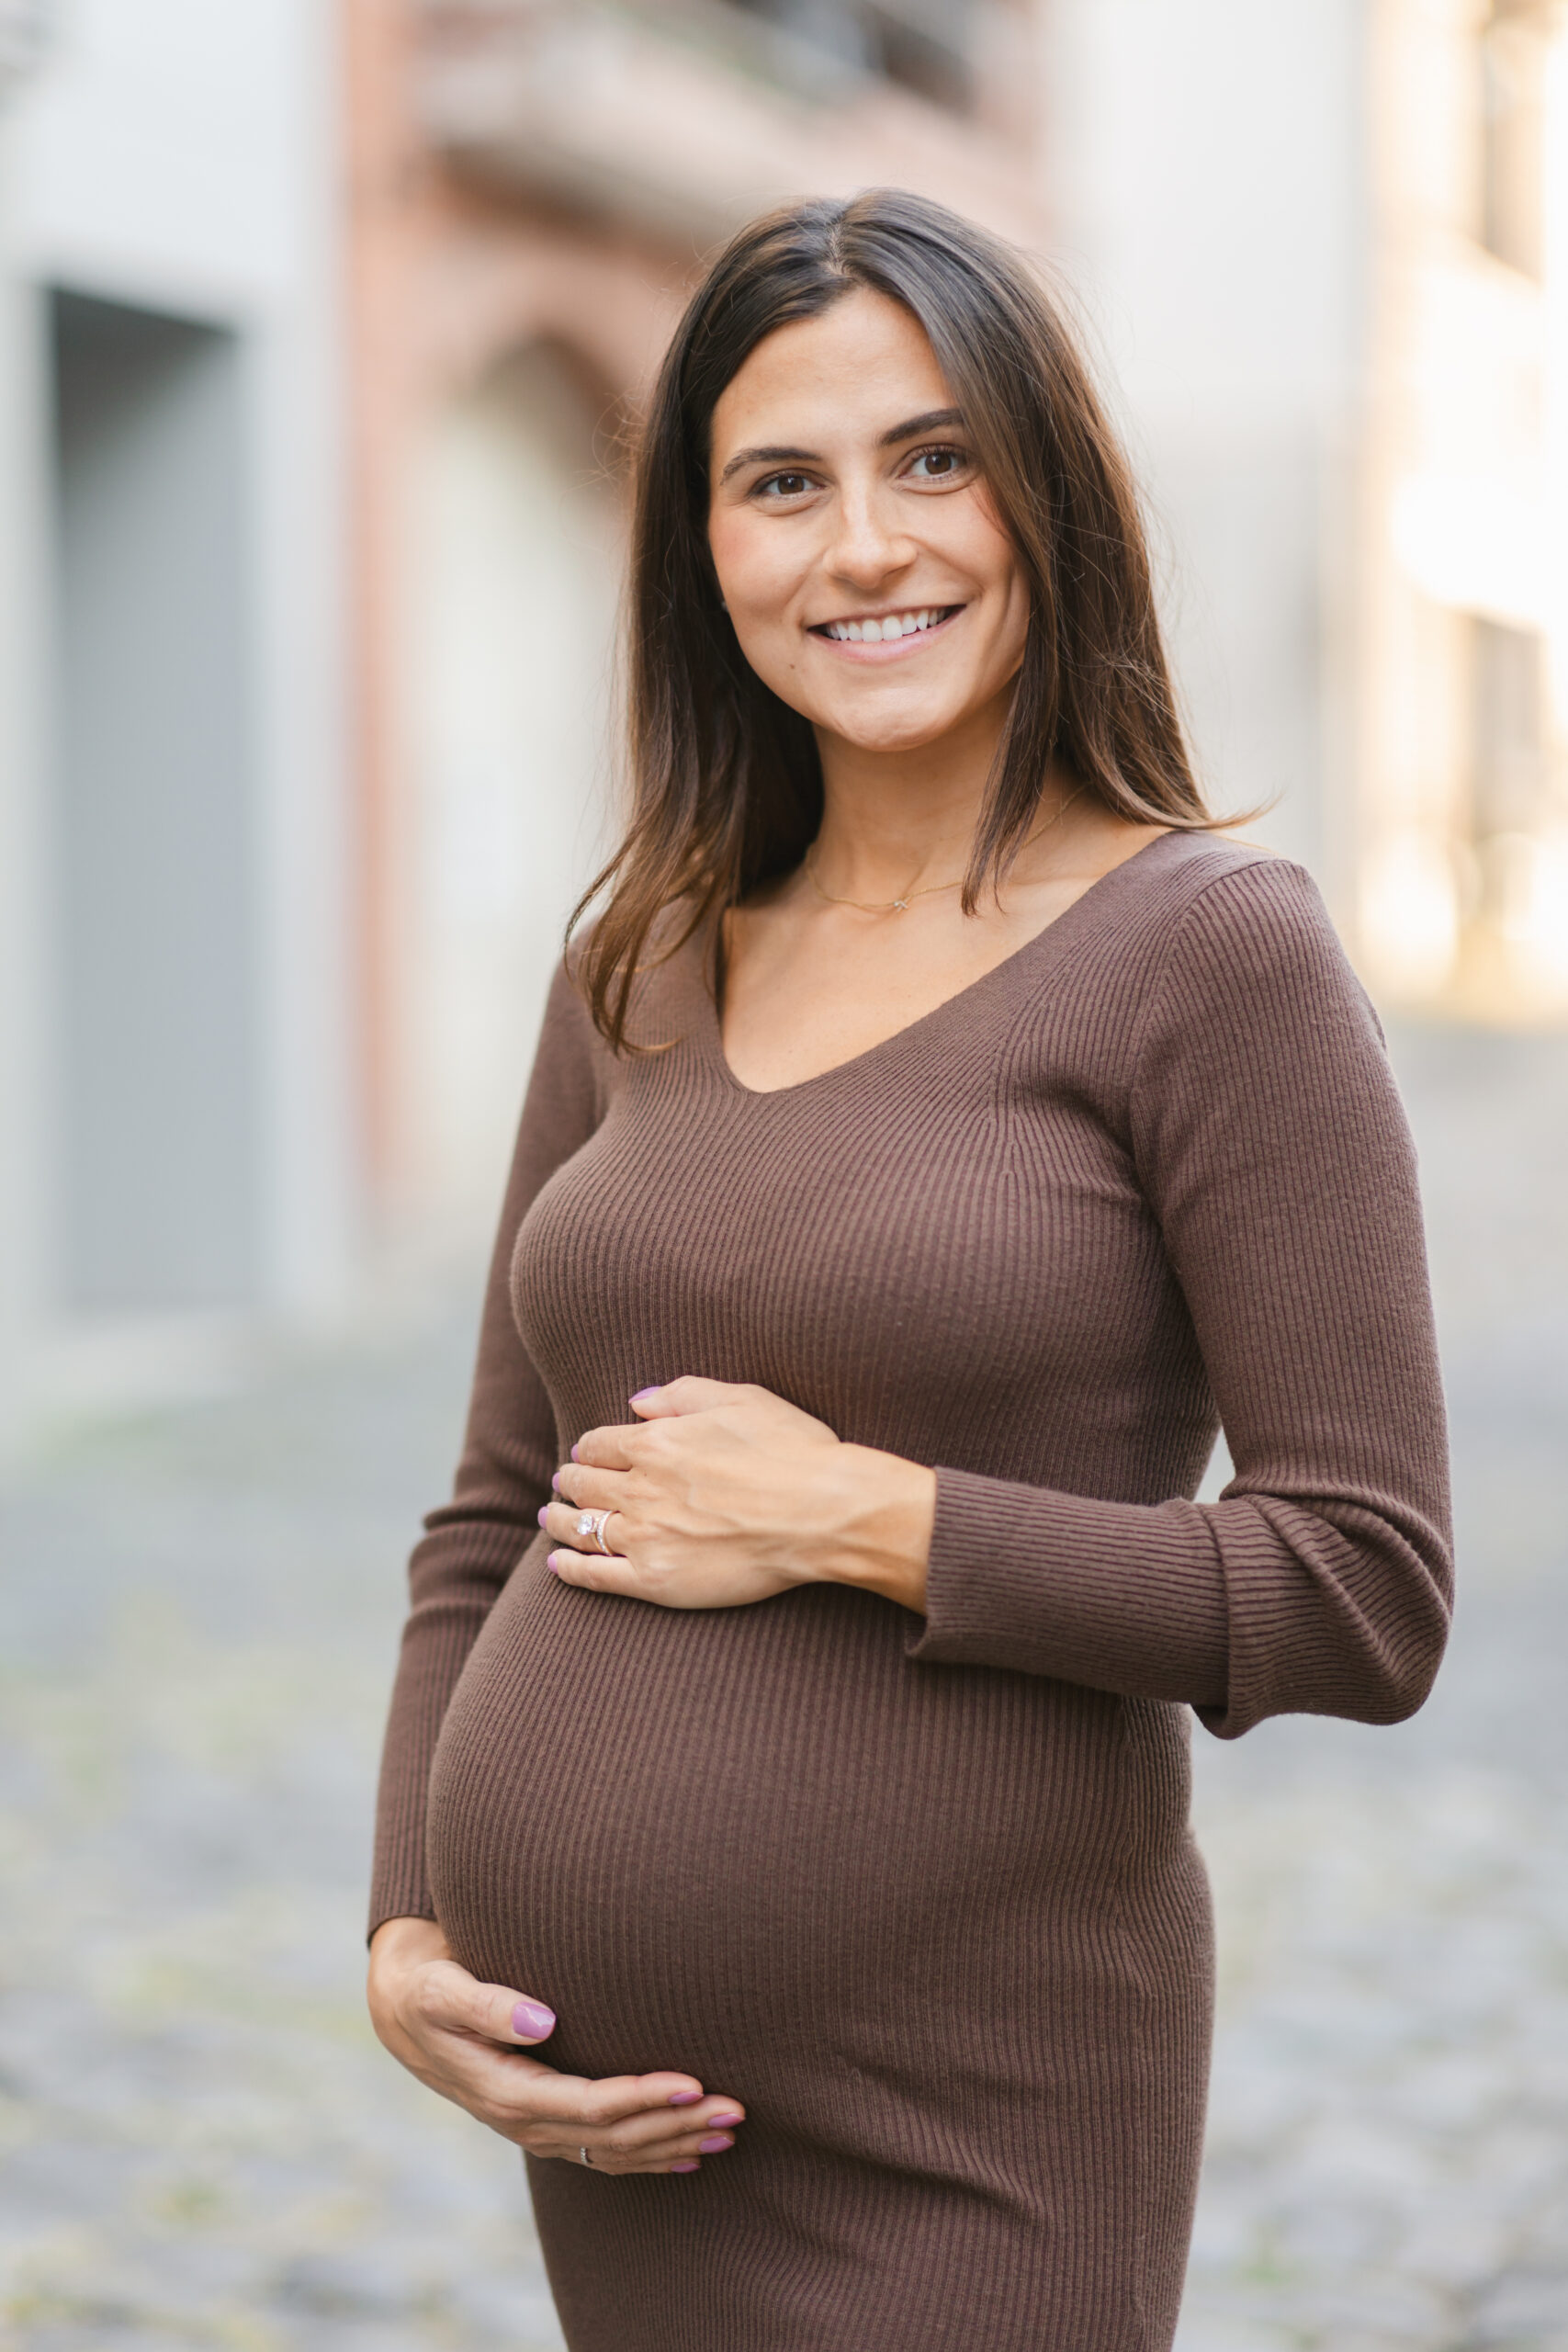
(715, 2142)
(543, 1513)
(574, 1454)
(643, 1395)
(724, 2122)
(687, 2163)
(553, 1564)
(555, 1481)
(532, 2019)
(684, 2099)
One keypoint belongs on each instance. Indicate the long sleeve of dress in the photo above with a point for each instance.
(1269, 1139)
(473, 1543)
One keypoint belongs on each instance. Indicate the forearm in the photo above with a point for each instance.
(457, 1575)
(1259, 1604)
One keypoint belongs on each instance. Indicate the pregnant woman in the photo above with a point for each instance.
(939, 1135)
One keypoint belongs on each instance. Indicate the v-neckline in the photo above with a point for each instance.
(1059, 927)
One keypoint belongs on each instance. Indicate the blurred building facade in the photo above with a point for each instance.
(177, 1053)
(1461, 837)
(320, 321)
(1326, 247)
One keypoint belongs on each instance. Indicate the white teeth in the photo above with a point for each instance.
(892, 624)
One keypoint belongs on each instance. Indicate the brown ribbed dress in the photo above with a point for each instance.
(921, 1891)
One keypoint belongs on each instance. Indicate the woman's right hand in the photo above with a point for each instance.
(469, 2041)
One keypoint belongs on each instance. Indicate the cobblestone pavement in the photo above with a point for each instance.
(202, 2146)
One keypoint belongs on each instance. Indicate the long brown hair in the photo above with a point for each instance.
(726, 783)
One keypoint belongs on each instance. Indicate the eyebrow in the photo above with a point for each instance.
(933, 421)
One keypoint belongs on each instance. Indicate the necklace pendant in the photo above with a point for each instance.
(901, 906)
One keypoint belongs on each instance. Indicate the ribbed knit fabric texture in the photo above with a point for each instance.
(922, 1892)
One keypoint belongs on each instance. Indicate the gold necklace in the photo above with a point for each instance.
(929, 889)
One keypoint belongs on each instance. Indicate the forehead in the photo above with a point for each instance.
(863, 364)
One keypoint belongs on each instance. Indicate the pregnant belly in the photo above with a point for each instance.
(702, 1834)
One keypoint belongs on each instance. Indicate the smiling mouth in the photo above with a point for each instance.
(884, 629)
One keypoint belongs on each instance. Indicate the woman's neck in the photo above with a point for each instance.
(894, 820)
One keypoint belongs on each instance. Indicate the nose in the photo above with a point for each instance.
(867, 547)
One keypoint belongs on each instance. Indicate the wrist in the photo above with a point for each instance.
(884, 1511)
(399, 1949)
(406, 1942)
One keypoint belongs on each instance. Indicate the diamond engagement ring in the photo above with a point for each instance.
(591, 1525)
(586, 2158)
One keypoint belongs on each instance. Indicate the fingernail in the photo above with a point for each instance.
(684, 2099)
(574, 1454)
(555, 1481)
(553, 1564)
(543, 1513)
(532, 2019)
(643, 1395)
(714, 2142)
(726, 2123)
(687, 2163)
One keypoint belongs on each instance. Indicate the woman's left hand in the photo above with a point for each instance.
(719, 1495)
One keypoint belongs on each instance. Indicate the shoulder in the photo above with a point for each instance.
(574, 1066)
(568, 1020)
(672, 972)
(1178, 870)
(1234, 907)
(1247, 951)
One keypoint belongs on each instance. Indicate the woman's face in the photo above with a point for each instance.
(868, 580)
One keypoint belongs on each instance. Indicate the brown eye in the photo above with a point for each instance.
(937, 465)
(786, 485)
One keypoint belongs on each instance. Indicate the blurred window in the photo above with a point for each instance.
(922, 45)
(1511, 894)
(1514, 45)
(1509, 736)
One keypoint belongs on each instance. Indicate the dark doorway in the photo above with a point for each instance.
(158, 1196)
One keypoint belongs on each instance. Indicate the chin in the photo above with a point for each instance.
(895, 734)
(899, 717)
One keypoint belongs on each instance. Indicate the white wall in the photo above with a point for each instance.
(515, 565)
(1205, 164)
(182, 156)
(23, 1039)
(174, 146)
